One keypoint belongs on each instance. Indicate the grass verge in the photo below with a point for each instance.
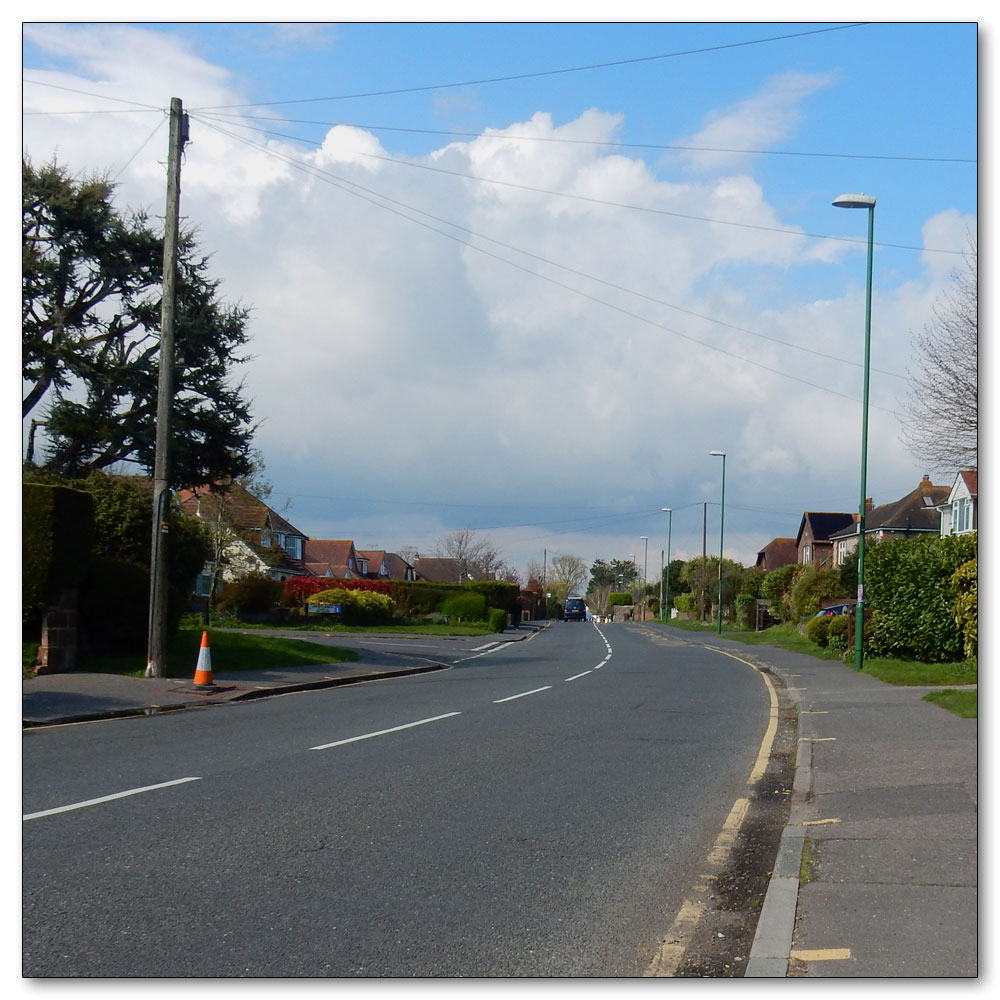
(964, 704)
(372, 629)
(230, 651)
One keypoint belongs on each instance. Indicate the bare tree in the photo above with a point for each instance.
(478, 555)
(567, 575)
(942, 429)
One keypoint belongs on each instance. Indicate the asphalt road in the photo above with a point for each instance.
(538, 810)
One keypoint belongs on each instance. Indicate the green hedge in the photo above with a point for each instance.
(358, 607)
(498, 619)
(415, 598)
(620, 597)
(57, 532)
(910, 589)
(465, 607)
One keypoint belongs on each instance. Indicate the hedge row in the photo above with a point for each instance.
(911, 588)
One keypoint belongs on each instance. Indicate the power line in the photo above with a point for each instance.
(370, 197)
(539, 73)
(617, 204)
(137, 105)
(590, 142)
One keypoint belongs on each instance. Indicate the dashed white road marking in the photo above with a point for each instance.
(107, 798)
(523, 694)
(575, 676)
(383, 732)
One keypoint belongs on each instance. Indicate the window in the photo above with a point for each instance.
(293, 546)
(961, 517)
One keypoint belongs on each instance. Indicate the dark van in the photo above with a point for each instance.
(575, 610)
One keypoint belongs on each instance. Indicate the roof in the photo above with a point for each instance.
(778, 552)
(246, 512)
(397, 566)
(438, 570)
(336, 552)
(914, 512)
(823, 524)
(971, 479)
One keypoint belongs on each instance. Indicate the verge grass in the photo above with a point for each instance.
(964, 704)
(230, 651)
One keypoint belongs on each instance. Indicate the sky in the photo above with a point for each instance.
(522, 278)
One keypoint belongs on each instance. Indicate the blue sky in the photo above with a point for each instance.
(410, 384)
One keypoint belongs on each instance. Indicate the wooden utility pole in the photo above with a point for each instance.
(156, 663)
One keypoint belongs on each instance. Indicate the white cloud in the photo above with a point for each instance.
(756, 123)
(394, 362)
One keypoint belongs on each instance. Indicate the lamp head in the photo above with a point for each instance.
(718, 454)
(854, 201)
(666, 510)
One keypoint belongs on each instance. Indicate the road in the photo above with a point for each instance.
(540, 809)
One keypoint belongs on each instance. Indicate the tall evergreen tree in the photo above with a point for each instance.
(91, 284)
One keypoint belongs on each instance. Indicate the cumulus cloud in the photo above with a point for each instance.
(422, 334)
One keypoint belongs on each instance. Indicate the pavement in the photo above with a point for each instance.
(884, 806)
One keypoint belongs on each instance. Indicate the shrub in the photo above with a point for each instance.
(686, 602)
(254, 594)
(298, 588)
(619, 597)
(775, 588)
(836, 628)
(966, 610)
(497, 620)
(358, 607)
(57, 533)
(818, 631)
(812, 587)
(465, 608)
(911, 591)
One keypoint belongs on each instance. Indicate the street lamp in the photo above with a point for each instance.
(722, 525)
(862, 201)
(645, 575)
(670, 521)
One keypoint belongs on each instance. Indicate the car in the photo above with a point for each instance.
(833, 610)
(575, 610)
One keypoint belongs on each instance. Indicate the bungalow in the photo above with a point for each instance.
(440, 570)
(915, 514)
(960, 512)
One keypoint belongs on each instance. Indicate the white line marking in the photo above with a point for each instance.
(523, 694)
(382, 732)
(476, 649)
(575, 676)
(493, 649)
(106, 798)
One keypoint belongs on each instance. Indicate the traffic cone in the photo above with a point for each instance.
(203, 671)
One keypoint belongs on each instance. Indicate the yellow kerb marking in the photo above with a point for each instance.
(821, 954)
(818, 822)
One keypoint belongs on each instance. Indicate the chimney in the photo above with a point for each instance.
(869, 505)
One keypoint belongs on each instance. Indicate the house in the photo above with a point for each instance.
(248, 536)
(374, 564)
(336, 558)
(915, 514)
(778, 552)
(812, 543)
(440, 570)
(960, 512)
(399, 568)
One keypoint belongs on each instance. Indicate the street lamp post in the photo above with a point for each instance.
(645, 574)
(722, 527)
(670, 521)
(862, 201)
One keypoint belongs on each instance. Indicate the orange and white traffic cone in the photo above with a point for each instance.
(203, 671)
